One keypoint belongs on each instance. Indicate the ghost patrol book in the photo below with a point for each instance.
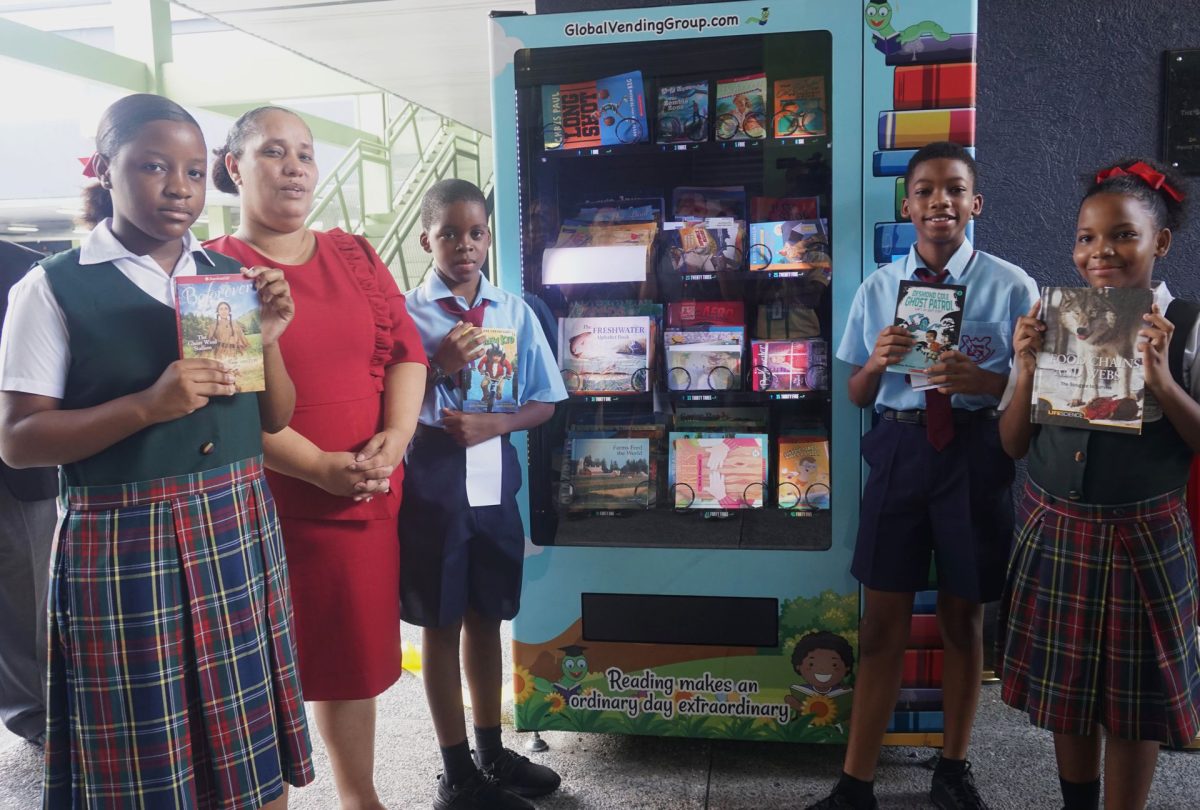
(218, 317)
(1089, 372)
(490, 380)
(932, 314)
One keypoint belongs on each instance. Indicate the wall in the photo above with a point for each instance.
(1064, 89)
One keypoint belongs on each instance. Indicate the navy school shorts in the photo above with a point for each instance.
(452, 555)
(955, 505)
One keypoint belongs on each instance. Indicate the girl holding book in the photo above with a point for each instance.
(337, 469)
(1099, 634)
(172, 680)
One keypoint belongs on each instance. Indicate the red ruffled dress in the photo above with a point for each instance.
(343, 557)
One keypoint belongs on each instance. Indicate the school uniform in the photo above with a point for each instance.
(1099, 618)
(172, 679)
(462, 539)
(919, 500)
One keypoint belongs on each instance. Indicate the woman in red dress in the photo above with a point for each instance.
(336, 471)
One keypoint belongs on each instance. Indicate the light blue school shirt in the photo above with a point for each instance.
(538, 377)
(997, 294)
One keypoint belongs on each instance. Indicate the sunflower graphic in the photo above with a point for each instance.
(822, 709)
(522, 684)
(556, 702)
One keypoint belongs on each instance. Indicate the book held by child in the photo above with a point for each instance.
(490, 381)
(932, 314)
(218, 318)
(1089, 372)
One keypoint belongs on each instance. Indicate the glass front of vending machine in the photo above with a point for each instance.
(679, 196)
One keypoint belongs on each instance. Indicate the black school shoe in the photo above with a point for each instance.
(516, 773)
(479, 792)
(956, 792)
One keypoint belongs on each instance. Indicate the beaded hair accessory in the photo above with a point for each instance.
(1148, 174)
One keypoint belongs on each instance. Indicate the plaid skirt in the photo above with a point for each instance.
(1099, 619)
(172, 667)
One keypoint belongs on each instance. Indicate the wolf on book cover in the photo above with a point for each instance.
(1089, 372)
(217, 317)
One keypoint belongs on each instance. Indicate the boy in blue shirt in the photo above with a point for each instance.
(462, 540)
(939, 480)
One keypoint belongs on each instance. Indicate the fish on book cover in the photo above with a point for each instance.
(932, 314)
(741, 106)
(599, 112)
(799, 107)
(1089, 372)
(490, 382)
(609, 473)
(606, 355)
(683, 112)
(803, 481)
(218, 317)
(713, 471)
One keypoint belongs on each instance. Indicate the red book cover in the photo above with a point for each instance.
(924, 633)
(687, 314)
(922, 669)
(920, 87)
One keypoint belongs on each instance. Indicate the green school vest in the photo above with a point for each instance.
(120, 341)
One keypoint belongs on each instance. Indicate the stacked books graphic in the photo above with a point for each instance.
(919, 707)
(933, 99)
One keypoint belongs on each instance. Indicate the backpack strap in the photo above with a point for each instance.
(1182, 315)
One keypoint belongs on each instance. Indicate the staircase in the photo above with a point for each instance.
(376, 188)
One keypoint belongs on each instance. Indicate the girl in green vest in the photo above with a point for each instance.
(172, 682)
(1100, 612)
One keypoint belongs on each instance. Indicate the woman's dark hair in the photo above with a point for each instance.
(1141, 183)
(235, 144)
(823, 640)
(119, 125)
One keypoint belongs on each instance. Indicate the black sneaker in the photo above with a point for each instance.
(479, 792)
(524, 778)
(956, 791)
(837, 801)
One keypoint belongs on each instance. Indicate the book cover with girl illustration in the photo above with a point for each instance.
(490, 381)
(1089, 372)
(218, 318)
(932, 314)
(741, 108)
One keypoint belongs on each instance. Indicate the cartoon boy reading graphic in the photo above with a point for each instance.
(824, 661)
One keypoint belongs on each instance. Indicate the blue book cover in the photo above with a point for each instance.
(893, 239)
(894, 162)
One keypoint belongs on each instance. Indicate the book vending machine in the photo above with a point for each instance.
(688, 197)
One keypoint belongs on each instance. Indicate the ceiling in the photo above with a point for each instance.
(433, 52)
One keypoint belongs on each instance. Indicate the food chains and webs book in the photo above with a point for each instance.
(218, 317)
(704, 359)
(608, 473)
(789, 365)
(683, 111)
(799, 108)
(606, 355)
(803, 481)
(741, 108)
(590, 114)
(790, 245)
(713, 245)
(718, 471)
(490, 381)
(932, 314)
(1089, 372)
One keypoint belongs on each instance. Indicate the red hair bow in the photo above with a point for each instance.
(1148, 174)
(89, 164)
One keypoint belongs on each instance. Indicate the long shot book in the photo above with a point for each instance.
(598, 112)
(1089, 372)
(490, 382)
(218, 318)
(932, 314)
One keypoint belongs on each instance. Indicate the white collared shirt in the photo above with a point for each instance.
(35, 347)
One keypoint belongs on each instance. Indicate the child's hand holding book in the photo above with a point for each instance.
(892, 346)
(461, 345)
(1027, 340)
